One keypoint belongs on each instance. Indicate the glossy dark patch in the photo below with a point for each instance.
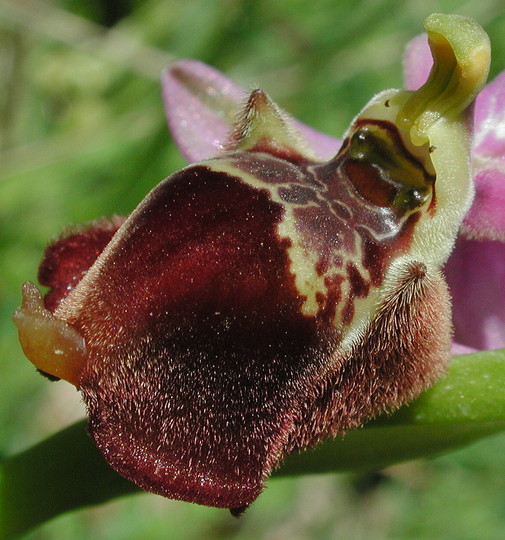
(359, 287)
(346, 207)
(269, 169)
(382, 169)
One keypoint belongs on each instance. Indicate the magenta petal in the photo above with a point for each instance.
(486, 218)
(202, 104)
(457, 348)
(476, 277)
(417, 62)
(490, 119)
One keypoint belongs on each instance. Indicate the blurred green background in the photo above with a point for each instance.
(83, 134)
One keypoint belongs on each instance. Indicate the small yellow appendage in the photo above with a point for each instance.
(49, 343)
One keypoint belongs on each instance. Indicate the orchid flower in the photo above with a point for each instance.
(277, 292)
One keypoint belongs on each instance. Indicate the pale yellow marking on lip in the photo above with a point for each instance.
(303, 262)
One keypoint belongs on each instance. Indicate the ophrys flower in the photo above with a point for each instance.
(262, 299)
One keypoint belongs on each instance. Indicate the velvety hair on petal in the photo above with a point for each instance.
(262, 299)
(67, 259)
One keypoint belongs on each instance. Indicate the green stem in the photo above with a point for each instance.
(62, 473)
(67, 472)
(373, 448)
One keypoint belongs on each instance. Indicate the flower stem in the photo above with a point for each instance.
(62, 473)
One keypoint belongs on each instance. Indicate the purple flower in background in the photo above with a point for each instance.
(201, 105)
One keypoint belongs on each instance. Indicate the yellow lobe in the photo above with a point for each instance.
(461, 57)
(49, 343)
